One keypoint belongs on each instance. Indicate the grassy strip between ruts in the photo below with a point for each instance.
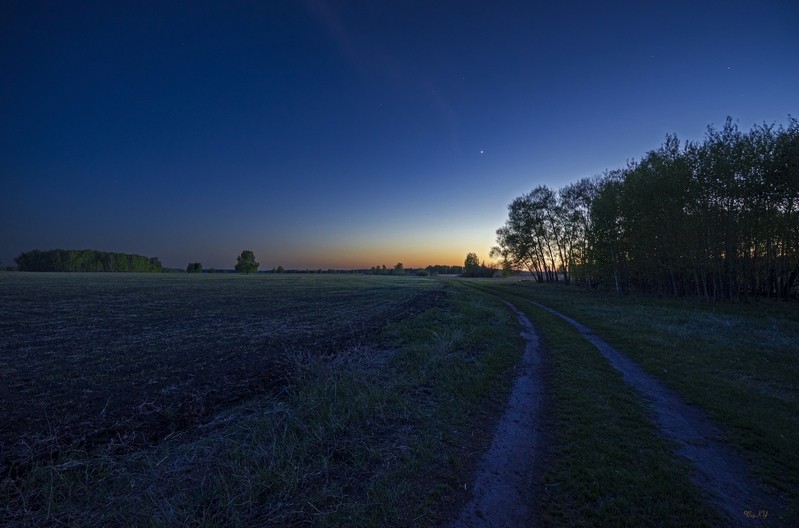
(605, 464)
(736, 361)
(383, 434)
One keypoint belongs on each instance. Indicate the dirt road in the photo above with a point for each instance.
(504, 486)
(718, 470)
(503, 489)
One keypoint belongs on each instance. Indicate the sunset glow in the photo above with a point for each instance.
(326, 135)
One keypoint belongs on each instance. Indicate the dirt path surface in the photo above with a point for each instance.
(503, 489)
(718, 469)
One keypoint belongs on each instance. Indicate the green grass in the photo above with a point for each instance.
(738, 362)
(605, 463)
(384, 429)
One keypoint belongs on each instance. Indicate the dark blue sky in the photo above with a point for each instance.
(350, 134)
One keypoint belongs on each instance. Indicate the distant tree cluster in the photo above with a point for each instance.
(472, 267)
(398, 269)
(194, 267)
(85, 260)
(443, 269)
(718, 220)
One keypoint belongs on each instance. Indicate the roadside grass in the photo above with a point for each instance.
(385, 432)
(738, 362)
(606, 463)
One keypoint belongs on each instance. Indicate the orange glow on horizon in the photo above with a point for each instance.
(367, 260)
(418, 256)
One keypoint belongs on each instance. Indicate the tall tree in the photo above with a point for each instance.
(575, 214)
(718, 219)
(245, 263)
(519, 240)
(471, 265)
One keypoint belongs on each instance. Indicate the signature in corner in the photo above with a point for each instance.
(760, 514)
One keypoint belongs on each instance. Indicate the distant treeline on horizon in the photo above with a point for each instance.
(85, 260)
(91, 260)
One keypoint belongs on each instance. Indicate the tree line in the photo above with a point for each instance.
(717, 219)
(472, 267)
(398, 269)
(85, 260)
(444, 269)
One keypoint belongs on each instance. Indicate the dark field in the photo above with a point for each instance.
(123, 360)
(338, 400)
(231, 400)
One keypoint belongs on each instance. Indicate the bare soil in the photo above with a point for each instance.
(504, 488)
(121, 361)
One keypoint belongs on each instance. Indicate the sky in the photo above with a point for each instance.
(349, 134)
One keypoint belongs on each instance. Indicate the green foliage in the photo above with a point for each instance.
(245, 263)
(471, 264)
(473, 268)
(440, 269)
(85, 260)
(718, 220)
(194, 267)
(546, 232)
(378, 270)
(398, 269)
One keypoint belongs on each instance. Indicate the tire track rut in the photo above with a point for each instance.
(503, 492)
(719, 470)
